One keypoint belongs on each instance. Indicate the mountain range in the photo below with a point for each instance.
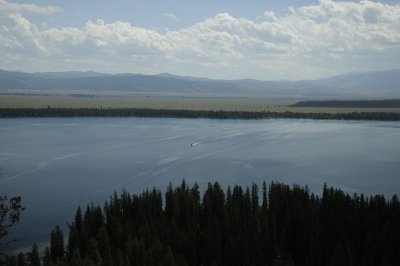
(383, 84)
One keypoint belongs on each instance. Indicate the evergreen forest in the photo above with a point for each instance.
(172, 113)
(276, 224)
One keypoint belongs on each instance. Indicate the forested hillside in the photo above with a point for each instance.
(279, 225)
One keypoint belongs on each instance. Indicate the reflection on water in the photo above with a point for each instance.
(57, 164)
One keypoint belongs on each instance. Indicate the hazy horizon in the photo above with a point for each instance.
(173, 74)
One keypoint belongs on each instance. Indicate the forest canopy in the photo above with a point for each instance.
(274, 225)
(171, 113)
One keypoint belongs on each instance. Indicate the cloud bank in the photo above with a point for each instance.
(6, 7)
(307, 42)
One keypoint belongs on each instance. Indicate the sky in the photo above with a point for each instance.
(226, 39)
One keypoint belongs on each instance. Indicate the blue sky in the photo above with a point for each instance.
(150, 13)
(218, 39)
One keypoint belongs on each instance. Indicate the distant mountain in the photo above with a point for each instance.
(383, 83)
(69, 74)
(376, 82)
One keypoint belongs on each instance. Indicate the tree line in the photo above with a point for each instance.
(170, 113)
(389, 103)
(279, 225)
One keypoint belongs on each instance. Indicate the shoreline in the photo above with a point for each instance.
(184, 113)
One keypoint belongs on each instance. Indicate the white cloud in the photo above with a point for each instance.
(307, 42)
(270, 15)
(26, 35)
(170, 16)
(7, 8)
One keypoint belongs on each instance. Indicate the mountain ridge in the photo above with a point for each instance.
(372, 83)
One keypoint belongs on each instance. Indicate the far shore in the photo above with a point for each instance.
(175, 103)
(182, 113)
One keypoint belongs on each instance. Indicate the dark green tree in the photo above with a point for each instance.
(56, 244)
(93, 253)
(46, 257)
(21, 259)
(33, 256)
(291, 226)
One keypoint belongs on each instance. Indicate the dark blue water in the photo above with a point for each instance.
(57, 164)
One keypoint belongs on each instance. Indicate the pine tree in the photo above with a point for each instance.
(56, 244)
(93, 253)
(21, 260)
(46, 257)
(291, 227)
(169, 259)
(33, 256)
(78, 220)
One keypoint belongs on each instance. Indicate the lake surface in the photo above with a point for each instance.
(57, 164)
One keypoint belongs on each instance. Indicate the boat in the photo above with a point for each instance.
(194, 143)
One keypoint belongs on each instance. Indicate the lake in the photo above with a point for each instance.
(57, 164)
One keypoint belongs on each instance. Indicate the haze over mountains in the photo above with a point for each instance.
(377, 84)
